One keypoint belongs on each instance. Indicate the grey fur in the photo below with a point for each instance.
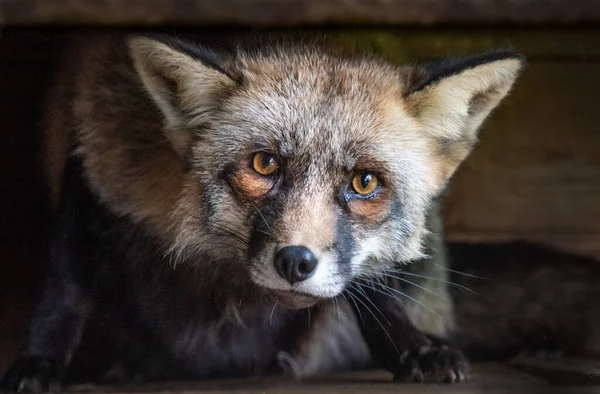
(163, 133)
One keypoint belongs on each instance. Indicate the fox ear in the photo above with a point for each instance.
(185, 82)
(451, 98)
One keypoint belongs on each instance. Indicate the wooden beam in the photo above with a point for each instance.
(295, 12)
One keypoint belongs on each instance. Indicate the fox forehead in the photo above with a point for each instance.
(327, 107)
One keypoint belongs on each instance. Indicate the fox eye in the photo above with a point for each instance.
(264, 163)
(365, 183)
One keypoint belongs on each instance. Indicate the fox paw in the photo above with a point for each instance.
(433, 364)
(32, 375)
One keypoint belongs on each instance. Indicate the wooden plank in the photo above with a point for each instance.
(559, 370)
(494, 378)
(549, 45)
(584, 244)
(536, 171)
(295, 12)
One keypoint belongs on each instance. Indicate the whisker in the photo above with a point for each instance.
(371, 302)
(381, 325)
(271, 317)
(262, 216)
(386, 294)
(415, 284)
(432, 278)
(264, 232)
(461, 273)
(405, 295)
(356, 306)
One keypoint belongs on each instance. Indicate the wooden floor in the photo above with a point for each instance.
(486, 378)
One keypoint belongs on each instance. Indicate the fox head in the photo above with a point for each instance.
(310, 169)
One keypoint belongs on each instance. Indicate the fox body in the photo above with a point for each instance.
(246, 205)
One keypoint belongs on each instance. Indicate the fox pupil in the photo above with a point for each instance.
(267, 161)
(365, 180)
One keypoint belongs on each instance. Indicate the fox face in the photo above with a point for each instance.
(308, 169)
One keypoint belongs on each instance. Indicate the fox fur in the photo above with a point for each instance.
(162, 259)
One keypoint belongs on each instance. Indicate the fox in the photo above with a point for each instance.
(242, 205)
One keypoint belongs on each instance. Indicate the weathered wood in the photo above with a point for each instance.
(536, 171)
(559, 370)
(549, 45)
(493, 377)
(295, 12)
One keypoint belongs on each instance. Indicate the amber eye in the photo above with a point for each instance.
(264, 163)
(365, 183)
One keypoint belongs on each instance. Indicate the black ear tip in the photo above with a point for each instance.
(437, 69)
(502, 54)
(457, 64)
(497, 55)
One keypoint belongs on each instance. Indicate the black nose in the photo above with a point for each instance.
(295, 263)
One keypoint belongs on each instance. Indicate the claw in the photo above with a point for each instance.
(433, 364)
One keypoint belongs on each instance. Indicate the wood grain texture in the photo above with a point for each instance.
(295, 12)
(485, 378)
(536, 171)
